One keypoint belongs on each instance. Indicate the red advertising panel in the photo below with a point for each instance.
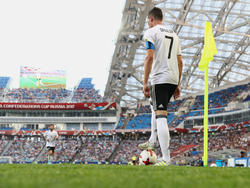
(58, 106)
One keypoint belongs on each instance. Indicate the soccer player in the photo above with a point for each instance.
(51, 136)
(163, 63)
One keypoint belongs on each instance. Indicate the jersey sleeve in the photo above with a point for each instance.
(149, 40)
(45, 134)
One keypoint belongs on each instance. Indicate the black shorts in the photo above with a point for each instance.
(161, 95)
(51, 149)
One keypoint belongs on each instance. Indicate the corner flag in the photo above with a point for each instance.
(207, 55)
(209, 47)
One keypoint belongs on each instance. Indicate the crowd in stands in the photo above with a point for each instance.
(143, 109)
(101, 148)
(127, 149)
(1, 92)
(140, 122)
(3, 83)
(84, 92)
(121, 147)
(193, 142)
(143, 121)
(220, 98)
(232, 139)
(217, 102)
(129, 146)
(81, 149)
(96, 150)
(65, 149)
(87, 95)
(25, 149)
(236, 139)
(3, 142)
(50, 95)
(37, 95)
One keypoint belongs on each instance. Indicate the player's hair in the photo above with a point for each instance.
(156, 13)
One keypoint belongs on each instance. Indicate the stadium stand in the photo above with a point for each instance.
(217, 102)
(25, 149)
(85, 92)
(221, 98)
(86, 83)
(36, 95)
(190, 144)
(127, 150)
(231, 140)
(121, 146)
(3, 142)
(95, 150)
(65, 151)
(86, 95)
(3, 84)
(82, 149)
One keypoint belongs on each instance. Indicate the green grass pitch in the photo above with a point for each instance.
(72, 176)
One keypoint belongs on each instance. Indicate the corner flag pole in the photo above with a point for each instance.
(205, 150)
(208, 52)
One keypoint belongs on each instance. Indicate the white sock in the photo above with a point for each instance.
(50, 158)
(164, 137)
(153, 136)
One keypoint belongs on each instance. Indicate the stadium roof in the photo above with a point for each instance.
(230, 20)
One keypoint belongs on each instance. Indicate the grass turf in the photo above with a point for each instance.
(72, 176)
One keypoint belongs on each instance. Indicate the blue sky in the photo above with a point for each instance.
(74, 35)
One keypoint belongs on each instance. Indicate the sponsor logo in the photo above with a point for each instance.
(160, 106)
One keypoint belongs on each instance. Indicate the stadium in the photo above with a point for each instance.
(99, 134)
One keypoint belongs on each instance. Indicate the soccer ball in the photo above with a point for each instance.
(152, 157)
(147, 157)
(144, 158)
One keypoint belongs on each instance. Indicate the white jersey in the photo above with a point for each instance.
(50, 135)
(167, 46)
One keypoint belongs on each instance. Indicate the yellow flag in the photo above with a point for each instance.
(208, 54)
(209, 47)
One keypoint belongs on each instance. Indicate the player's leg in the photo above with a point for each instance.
(163, 93)
(151, 143)
(50, 155)
(153, 136)
(163, 134)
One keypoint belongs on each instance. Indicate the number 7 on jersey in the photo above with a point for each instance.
(171, 45)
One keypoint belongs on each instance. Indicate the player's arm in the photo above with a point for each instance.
(56, 136)
(148, 63)
(180, 66)
(179, 58)
(147, 69)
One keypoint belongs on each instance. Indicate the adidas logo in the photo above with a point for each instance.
(160, 106)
